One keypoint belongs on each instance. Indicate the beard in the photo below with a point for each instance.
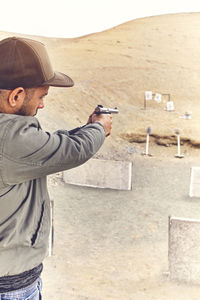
(24, 111)
(27, 109)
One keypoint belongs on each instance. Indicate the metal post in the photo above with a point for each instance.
(178, 155)
(148, 131)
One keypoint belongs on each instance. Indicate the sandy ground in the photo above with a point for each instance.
(114, 244)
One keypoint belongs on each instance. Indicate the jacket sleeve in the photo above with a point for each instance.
(28, 152)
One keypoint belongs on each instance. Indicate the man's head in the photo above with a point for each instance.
(25, 76)
(20, 101)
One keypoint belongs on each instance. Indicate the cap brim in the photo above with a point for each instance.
(59, 80)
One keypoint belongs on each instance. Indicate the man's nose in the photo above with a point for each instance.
(41, 105)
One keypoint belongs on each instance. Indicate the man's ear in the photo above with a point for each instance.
(16, 97)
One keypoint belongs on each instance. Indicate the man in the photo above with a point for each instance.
(27, 156)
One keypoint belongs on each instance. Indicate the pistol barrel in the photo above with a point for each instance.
(104, 110)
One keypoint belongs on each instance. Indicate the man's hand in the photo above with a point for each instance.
(104, 119)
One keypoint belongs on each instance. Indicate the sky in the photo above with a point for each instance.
(74, 18)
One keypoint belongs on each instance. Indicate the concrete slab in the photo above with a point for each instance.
(101, 174)
(184, 250)
(195, 182)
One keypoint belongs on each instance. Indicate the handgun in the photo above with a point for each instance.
(98, 110)
(104, 110)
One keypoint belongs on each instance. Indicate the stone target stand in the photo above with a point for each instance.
(184, 250)
(98, 173)
(184, 240)
(194, 190)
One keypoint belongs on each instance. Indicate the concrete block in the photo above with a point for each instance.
(195, 182)
(101, 174)
(184, 250)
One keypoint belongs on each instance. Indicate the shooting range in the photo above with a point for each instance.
(101, 174)
(184, 250)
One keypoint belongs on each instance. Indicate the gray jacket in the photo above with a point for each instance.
(27, 155)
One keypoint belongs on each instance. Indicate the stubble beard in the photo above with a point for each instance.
(23, 111)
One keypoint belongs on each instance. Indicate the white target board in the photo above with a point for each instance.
(170, 105)
(148, 95)
(158, 98)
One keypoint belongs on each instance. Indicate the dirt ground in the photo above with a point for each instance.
(113, 244)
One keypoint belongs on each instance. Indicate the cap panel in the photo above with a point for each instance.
(26, 67)
(42, 57)
(6, 64)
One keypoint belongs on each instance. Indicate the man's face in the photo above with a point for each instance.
(33, 101)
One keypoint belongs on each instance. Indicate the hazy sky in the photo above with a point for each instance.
(73, 18)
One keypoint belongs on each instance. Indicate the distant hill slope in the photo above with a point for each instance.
(117, 66)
